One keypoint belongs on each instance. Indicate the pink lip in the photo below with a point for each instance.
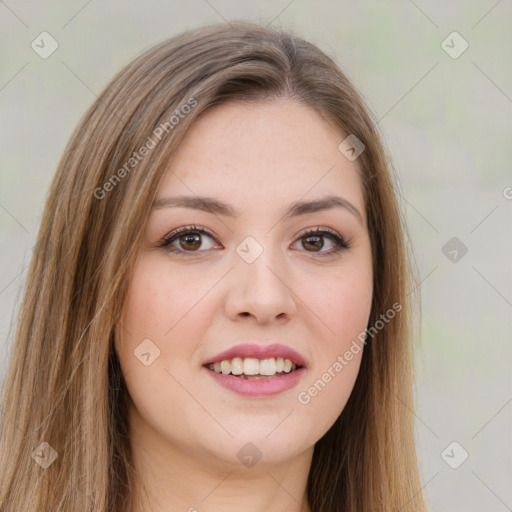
(259, 352)
(260, 387)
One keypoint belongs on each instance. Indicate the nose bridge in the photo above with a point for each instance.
(258, 257)
(260, 284)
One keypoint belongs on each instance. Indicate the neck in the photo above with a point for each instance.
(174, 478)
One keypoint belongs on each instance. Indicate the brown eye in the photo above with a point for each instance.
(190, 242)
(313, 242)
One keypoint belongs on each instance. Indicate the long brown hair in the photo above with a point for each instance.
(64, 386)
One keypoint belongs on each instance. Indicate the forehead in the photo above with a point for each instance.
(261, 152)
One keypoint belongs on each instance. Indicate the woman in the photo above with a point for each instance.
(217, 313)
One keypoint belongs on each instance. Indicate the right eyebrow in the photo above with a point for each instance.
(207, 204)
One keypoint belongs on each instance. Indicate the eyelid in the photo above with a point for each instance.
(341, 243)
(186, 229)
(318, 229)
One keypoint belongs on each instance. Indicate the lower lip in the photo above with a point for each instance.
(258, 387)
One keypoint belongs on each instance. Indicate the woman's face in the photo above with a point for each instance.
(254, 284)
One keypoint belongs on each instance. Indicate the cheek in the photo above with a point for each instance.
(325, 395)
(147, 315)
(342, 304)
(343, 307)
(338, 358)
(149, 343)
(159, 300)
(162, 308)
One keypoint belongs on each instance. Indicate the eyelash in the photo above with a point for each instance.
(339, 242)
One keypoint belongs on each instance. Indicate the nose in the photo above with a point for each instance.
(261, 290)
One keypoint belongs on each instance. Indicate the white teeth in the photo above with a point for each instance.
(250, 366)
(268, 366)
(225, 366)
(237, 366)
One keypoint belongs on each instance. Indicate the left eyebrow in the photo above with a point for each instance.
(326, 203)
(217, 207)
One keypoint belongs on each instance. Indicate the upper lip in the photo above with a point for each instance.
(259, 352)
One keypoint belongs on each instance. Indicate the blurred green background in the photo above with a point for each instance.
(446, 119)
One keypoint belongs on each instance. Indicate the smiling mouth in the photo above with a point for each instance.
(250, 368)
